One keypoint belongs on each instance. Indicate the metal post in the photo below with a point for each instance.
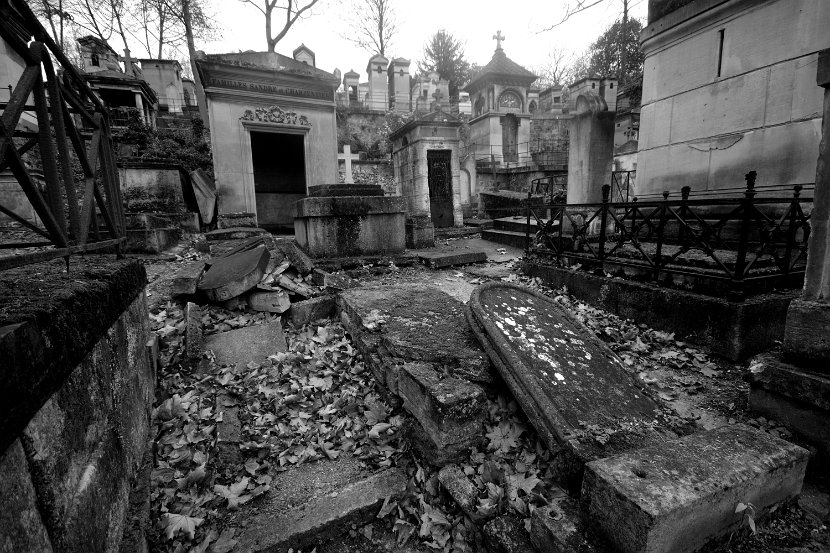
(527, 226)
(661, 227)
(746, 222)
(791, 228)
(634, 232)
(684, 199)
(606, 192)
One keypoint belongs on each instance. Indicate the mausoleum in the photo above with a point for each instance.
(273, 132)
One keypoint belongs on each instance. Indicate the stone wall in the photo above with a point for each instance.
(371, 172)
(762, 112)
(151, 187)
(77, 392)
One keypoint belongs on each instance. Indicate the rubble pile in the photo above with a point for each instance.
(262, 273)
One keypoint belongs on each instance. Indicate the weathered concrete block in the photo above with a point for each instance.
(322, 517)
(228, 431)
(806, 335)
(420, 232)
(507, 534)
(675, 496)
(556, 530)
(296, 256)
(463, 492)
(194, 342)
(308, 311)
(338, 281)
(449, 409)
(438, 260)
(187, 279)
(275, 301)
(244, 345)
(22, 526)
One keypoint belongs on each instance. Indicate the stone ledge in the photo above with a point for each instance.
(349, 206)
(49, 321)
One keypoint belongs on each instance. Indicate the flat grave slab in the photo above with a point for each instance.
(251, 343)
(676, 496)
(571, 386)
(420, 323)
(438, 260)
(232, 275)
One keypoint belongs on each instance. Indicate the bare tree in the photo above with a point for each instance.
(160, 29)
(53, 12)
(557, 70)
(373, 24)
(294, 10)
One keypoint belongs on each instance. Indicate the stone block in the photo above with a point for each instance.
(338, 281)
(248, 344)
(420, 233)
(463, 492)
(228, 431)
(806, 335)
(226, 221)
(554, 529)
(296, 256)
(151, 240)
(507, 534)
(298, 288)
(321, 517)
(438, 260)
(194, 341)
(23, 527)
(232, 275)
(676, 496)
(449, 409)
(187, 279)
(269, 301)
(329, 190)
(308, 311)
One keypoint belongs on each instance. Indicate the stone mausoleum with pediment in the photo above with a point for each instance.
(273, 132)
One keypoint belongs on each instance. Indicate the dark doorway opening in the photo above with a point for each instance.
(510, 138)
(279, 177)
(439, 178)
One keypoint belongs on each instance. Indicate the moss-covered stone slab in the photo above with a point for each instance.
(438, 260)
(232, 275)
(571, 386)
(676, 496)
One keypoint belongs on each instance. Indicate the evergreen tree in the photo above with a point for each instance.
(444, 54)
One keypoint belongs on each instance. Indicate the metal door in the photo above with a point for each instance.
(439, 178)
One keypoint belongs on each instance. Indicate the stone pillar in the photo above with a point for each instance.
(807, 334)
(794, 388)
(347, 164)
(139, 105)
(591, 151)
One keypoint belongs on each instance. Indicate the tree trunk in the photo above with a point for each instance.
(623, 42)
(191, 49)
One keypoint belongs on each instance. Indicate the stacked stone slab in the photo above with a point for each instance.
(417, 344)
(640, 488)
(341, 220)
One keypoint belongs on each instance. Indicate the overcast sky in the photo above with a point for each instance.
(474, 21)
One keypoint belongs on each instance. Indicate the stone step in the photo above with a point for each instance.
(515, 224)
(244, 345)
(155, 240)
(438, 260)
(233, 233)
(478, 223)
(315, 503)
(675, 496)
(506, 237)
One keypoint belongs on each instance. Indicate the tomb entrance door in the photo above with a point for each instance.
(439, 178)
(279, 167)
(510, 138)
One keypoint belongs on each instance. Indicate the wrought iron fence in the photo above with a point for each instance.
(735, 240)
(60, 104)
(622, 185)
(540, 152)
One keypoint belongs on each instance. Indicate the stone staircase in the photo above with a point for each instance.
(510, 231)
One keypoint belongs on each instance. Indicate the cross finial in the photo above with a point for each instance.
(437, 95)
(498, 37)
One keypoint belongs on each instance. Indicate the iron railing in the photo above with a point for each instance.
(622, 185)
(742, 241)
(540, 152)
(57, 103)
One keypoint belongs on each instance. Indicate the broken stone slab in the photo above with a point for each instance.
(421, 323)
(569, 383)
(557, 529)
(307, 311)
(235, 274)
(152, 347)
(314, 517)
(450, 410)
(228, 431)
(272, 301)
(187, 279)
(193, 338)
(463, 492)
(337, 281)
(233, 233)
(239, 302)
(677, 495)
(244, 345)
(507, 534)
(299, 288)
(438, 260)
(298, 258)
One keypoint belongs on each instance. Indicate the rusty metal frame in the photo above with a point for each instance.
(57, 102)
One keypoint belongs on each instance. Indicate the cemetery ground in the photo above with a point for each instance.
(307, 426)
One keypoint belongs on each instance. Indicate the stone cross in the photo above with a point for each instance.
(348, 157)
(498, 37)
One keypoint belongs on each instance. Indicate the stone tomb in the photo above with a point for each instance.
(273, 132)
(344, 220)
(426, 169)
(569, 384)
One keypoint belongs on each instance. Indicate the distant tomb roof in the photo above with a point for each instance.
(500, 68)
(266, 61)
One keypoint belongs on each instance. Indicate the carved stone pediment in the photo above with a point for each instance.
(275, 114)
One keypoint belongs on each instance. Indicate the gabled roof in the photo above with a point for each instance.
(400, 61)
(351, 73)
(500, 67)
(268, 60)
(93, 42)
